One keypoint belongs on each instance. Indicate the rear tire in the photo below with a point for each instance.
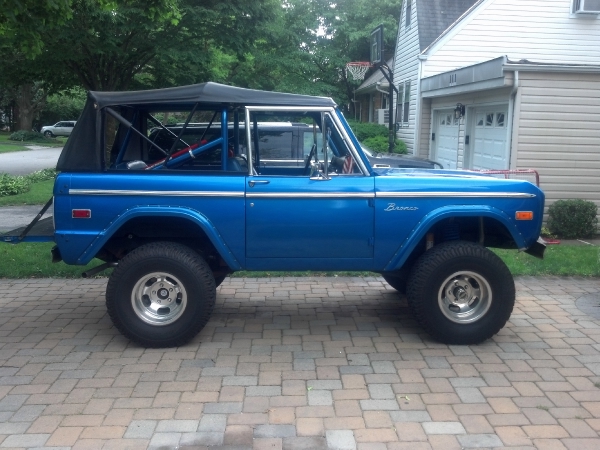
(461, 292)
(161, 294)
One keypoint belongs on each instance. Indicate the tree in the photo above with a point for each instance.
(121, 48)
(306, 49)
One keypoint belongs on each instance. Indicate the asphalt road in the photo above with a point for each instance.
(26, 162)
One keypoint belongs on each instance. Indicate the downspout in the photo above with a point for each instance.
(511, 115)
(418, 113)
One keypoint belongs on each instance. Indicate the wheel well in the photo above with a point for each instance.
(487, 231)
(143, 230)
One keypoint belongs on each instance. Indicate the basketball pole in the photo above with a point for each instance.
(389, 76)
(377, 59)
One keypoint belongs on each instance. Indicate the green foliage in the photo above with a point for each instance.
(547, 233)
(376, 137)
(42, 175)
(66, 105)
(381, 144)
(34, 260)
(366, 130)
(13, 185)
(559, 260)
(572, 219)
(38, 194)
(29, 136)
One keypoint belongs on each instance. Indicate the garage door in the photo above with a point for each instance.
(490, 150)
(446, 138)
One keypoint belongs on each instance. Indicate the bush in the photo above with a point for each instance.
(366, 130)
(42, 175)
(29, 136)
(382, 144)
(11, 185)
(572, 219)
(66, 105)
(376, 137)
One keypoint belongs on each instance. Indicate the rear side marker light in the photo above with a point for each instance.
(524, 215)
(82, 213)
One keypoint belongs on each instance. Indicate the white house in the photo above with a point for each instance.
(527, 73)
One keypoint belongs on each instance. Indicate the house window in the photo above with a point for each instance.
(403, 104)
(406, 102)
(408, 15)
(384, 101)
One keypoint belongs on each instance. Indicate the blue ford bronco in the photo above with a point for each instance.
(174, 217)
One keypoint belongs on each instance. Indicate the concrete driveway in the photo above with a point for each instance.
(26, 162)
(298, 363)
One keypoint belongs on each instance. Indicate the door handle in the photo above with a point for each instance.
(251, 183)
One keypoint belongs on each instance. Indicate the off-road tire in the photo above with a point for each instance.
(134, 292)
(446, 278)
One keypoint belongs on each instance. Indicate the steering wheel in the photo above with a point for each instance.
(313, 150)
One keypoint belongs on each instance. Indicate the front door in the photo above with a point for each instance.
(296, 219)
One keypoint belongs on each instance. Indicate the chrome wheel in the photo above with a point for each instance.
(159, 298)
(464, 297)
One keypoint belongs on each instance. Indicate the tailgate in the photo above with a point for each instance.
(42, 231)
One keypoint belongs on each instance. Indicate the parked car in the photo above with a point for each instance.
(173, 223)
(288, 143)
(63, 128)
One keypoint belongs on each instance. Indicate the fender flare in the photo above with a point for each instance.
(155, 211)
(446, 212)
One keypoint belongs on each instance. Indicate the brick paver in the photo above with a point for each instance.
(297, 363)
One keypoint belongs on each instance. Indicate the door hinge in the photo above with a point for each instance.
(372, 202)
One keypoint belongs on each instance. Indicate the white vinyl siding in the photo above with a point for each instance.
(538, 30)
(406, 68)
(558, 133)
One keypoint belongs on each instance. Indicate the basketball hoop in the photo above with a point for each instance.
(357, 69)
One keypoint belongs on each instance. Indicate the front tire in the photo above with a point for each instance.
(461, 292)
(161, 294)
(48, 134)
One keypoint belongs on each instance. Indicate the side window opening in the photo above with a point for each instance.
(174, 139)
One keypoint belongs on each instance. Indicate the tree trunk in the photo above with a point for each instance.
(29, 100)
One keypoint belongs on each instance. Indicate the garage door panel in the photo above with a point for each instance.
(490, 134)
(446, 132)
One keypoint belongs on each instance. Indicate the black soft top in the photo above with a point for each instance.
(208, 94)
(83, 150)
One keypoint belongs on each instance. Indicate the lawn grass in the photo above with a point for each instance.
(32, 260)
(7, 147)
(18, 146)
(38, 194)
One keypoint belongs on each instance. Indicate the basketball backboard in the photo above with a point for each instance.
(376, 56)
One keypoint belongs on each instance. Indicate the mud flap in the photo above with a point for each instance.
(537, 249)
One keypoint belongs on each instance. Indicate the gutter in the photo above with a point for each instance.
(541, 67)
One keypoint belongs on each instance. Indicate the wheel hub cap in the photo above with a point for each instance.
(158, 298)
(465, 297)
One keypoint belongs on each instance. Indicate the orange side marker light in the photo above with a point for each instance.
(524, 215)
